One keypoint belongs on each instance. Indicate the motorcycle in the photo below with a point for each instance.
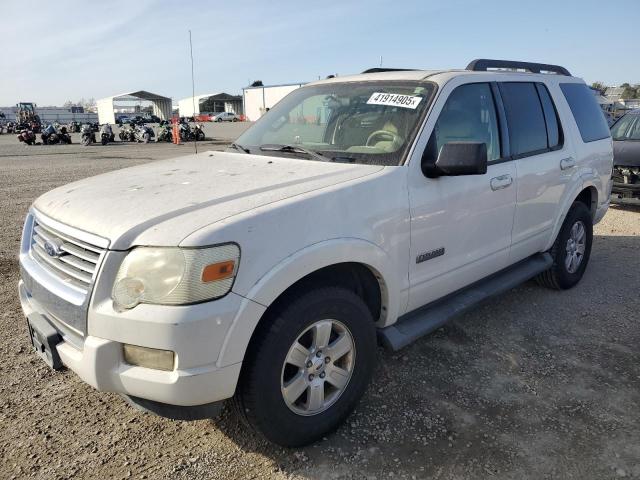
(198, 132)
(87, 136)
(127, 134)
(164, 134)
(106, 134)
(26, 136)
(74, 127)
(63, 136)
(11, 127)
(143, 133)
(49, 135)
(185, 132)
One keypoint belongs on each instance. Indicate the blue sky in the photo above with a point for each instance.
(119, 46)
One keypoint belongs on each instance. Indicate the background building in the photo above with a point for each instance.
(210, 103)
(260, 98)
(161, 105)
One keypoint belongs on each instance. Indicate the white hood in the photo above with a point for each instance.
(160, 203)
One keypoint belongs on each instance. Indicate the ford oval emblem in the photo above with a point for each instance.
(51, 249)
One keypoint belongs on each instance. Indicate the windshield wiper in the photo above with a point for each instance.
(294, 149)
(240, 147)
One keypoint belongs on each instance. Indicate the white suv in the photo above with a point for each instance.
(374, 206)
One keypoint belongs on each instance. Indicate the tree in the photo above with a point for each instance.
(600, 87)
(628, 92)
(68, 104)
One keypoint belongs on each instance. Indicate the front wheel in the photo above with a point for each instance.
(571, 250)
(145, 138)
(308, 365)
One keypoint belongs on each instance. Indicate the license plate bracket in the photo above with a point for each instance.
(44, 339)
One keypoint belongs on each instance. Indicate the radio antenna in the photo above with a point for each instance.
(193, 92)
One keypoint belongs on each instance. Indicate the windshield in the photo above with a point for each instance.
(357, 122)
(627, 128)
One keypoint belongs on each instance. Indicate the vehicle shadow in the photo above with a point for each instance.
(521, 387)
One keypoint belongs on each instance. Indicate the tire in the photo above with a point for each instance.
(86, 141)
(259, 396)
(234, 120)
(564, 274)
(104, 140)
(145, 138)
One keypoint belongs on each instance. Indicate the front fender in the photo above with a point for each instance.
(302, 263)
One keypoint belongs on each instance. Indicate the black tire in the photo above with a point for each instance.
(259, 398)
(104, 140)
(146, 137)
(558, 276)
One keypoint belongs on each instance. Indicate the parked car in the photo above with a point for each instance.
(122, 119)
(225, 117)
(267, 272)
(626, 159)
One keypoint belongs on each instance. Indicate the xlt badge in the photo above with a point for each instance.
(423, 257)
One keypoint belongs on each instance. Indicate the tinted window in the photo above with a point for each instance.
(627, 128)
(586, 112)
(554, 134)
(469, 115)
(527, 128)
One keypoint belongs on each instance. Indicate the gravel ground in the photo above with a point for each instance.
(534, 384)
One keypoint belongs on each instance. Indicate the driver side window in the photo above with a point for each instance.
(469, 115)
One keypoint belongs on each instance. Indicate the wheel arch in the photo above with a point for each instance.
(585, 192)
(356, 264)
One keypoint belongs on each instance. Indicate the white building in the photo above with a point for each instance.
(258, 99)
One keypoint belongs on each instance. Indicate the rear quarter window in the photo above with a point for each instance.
(586, 112)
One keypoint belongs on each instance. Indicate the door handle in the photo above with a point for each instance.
(503, 181)
(567, 163)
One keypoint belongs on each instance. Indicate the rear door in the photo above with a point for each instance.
(544, 161)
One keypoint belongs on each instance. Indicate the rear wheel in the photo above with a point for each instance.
(146, 137)
(308, 366)
(571, 250)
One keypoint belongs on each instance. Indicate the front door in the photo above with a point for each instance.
(460, 225)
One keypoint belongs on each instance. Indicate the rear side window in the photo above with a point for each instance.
(586, 111)
(554, 132)
(527, 128)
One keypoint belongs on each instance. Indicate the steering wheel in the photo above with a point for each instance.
(384, 135)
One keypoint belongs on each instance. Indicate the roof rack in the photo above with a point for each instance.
(382, 69)
(484, 64)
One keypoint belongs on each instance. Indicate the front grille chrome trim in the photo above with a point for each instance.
(59, 267)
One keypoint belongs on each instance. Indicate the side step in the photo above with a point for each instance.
(418, 323)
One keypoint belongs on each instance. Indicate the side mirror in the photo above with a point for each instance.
(458, 158)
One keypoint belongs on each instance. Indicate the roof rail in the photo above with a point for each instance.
(484, 64)
(383, 69)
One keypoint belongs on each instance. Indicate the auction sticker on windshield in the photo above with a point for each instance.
(394, 99)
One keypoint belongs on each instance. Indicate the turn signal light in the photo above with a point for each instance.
(218, 271)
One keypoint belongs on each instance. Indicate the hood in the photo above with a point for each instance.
(626, 153)
(160, 203)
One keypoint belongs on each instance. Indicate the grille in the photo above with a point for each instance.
(72, 261)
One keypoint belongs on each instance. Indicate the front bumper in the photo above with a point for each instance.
(625, 193)
(99, 361)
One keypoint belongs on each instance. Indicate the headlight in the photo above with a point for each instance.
(175, 276)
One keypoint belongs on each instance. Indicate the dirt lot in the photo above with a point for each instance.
(534, 384)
